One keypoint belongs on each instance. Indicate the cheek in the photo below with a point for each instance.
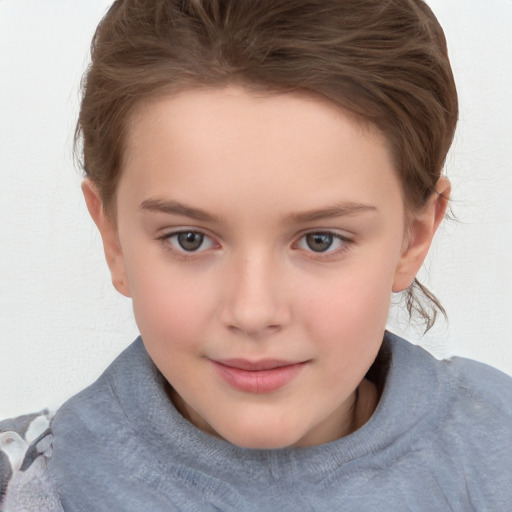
(170, 306)
(349, 310)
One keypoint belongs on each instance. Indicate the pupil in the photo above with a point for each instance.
(319, 242)
(190, 241)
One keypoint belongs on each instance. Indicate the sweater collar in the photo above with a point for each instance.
(409, 396)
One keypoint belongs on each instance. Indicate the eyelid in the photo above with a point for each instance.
(166, 236)
(345, 241)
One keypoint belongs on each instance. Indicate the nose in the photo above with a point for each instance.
(255, 301)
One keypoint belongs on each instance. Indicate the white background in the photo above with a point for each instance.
(61, 322)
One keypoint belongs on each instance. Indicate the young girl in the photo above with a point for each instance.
(264, 176)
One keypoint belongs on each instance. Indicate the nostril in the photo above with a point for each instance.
(254, 301)
(255, 332)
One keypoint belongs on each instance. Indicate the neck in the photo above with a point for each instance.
(367, 398)
(363, 404)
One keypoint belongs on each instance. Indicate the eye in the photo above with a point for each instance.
(322, 242)
(189, 241)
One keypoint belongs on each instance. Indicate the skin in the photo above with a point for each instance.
(265, 170)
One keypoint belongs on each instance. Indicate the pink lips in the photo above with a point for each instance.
(257, 377)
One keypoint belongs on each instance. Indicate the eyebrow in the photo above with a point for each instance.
(337, 210)
(177, 208)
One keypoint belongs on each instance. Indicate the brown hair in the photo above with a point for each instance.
(383, 60)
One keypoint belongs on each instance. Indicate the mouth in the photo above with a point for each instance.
(259, 377)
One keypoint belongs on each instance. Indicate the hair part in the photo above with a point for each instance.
(385, 61)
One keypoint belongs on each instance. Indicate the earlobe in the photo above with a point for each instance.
(421, 233)
(108, 232)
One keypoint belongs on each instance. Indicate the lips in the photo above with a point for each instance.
(264, 376)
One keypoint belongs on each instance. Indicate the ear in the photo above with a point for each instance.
(419, 237)
(108, 231)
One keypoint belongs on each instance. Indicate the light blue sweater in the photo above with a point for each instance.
(440, 439)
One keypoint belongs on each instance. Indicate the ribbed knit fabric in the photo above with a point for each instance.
(440, 439)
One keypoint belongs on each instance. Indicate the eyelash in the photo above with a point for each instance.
(182, 254)
(344, 244)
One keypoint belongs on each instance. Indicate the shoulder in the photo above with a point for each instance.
(476, 405)
(476, 413)
(457, 380)
(29, 481)
(481, 384)
(25, 447)
(465, 432)
(464, 403)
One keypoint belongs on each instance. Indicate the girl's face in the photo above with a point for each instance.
(260, 238)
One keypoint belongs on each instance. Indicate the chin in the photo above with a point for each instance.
(262, 439)
(267, 443)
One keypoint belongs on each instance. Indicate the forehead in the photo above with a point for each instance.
(202, 110)
(291, 144)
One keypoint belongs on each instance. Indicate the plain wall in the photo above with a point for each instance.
(62, 322)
